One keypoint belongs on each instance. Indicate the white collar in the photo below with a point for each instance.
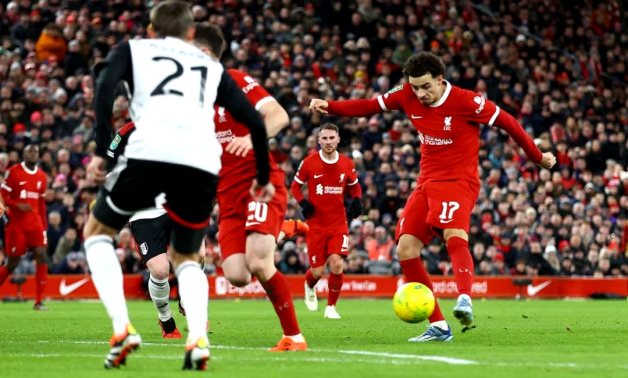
(443, 97)
(30, 172)
(332, 161)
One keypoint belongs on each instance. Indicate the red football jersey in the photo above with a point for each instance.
(237, 169)
(326, 181)
(448, 130)
(23, 185)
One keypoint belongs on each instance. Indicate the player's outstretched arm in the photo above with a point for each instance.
(347, 108)
(516, 131)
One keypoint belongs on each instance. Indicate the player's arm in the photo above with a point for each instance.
(508, 123)
(117, 67)
(232, 98)
(355, 192)
(360, 108)
(6, 189)
(42, 207)
(307, 209)
(275, 119)
(2, 208)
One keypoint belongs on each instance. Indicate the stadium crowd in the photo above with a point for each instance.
(558, 68)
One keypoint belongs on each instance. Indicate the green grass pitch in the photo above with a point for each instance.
(563, 338)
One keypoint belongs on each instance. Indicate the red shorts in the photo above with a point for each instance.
(437, 205)
(19, 240)
(321, 245)
(239, 215)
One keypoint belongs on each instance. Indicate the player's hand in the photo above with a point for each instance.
(548, 160)
(25, 207)
(307, 209)
(2, 209)
(96, 170)
(262, 193)
(240, 146)
(355, 209)
(318, 105)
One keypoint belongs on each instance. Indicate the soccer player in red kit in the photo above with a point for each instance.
(327, 174)
(248, 229)
(447, 120)
(23, 194)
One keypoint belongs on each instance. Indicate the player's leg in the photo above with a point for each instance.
(450, 210)
(232, 241)
(260, 249)
(14, 248)
(127, 189)
(316, 245)
(337, 250)
(412, 233)
(152, 236)
(190, 207)
(462, 264)
(41, 274)
(6, 270)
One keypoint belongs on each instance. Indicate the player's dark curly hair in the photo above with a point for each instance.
(424, 63)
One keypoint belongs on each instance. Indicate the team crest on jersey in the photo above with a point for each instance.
(221, 115)
(481, 101)
(342, 177)
(395, 89)
(38, 185)
(115, 142)
(447, 126)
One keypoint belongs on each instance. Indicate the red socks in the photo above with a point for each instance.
(279, 294)
(414, 271)
(461, 263)
(41, 276)
(310, 279)
(335, 286)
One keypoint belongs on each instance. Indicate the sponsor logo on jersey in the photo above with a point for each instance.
(225, 136)
(317, 176)
(251, 84)
(144, 248)
(433, 141)
(415, 117)
(447, 126)
(319, 189)
(26, 194)
(481, 101)
(23, 182)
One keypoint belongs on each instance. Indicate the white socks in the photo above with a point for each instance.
(194, 290)
(160, 294)
(107, 278)
(442, 324)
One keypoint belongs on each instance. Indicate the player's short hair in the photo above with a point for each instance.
(172, 18)
(210, 36)
(423, 63)
(330, 126)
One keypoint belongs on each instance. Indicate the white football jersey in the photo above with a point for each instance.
(175, 86)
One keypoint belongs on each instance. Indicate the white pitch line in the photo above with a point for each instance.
(392, 356)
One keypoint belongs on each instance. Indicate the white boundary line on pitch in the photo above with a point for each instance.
(394, 356)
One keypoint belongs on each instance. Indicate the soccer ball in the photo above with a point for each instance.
(413, 302)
